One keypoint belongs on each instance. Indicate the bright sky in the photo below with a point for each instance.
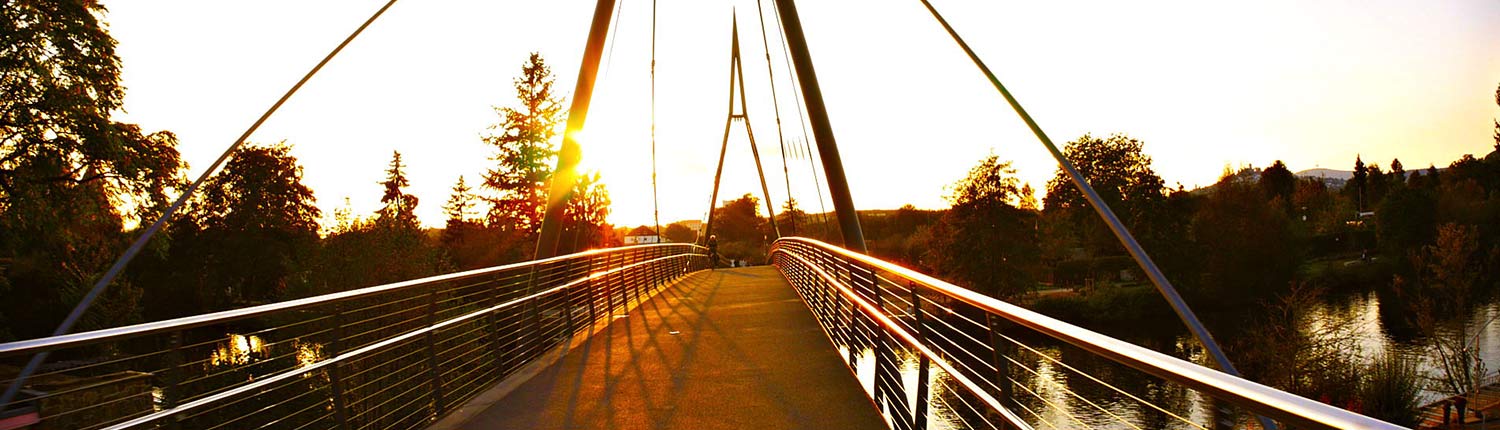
(1205, 84)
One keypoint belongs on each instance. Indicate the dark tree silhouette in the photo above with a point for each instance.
(400, 207)
(1278, 181)
(256, 226)
(1246, 245)
(65, 167)
(1358, 183)
(1121, 173)
(524, 151)
(677, 232)
(1398, 172)
(586, 214)
(985, 242)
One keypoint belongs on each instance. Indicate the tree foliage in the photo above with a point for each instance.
(524, 151)
(1247, 247)
(985, 242)
(679, 232)
(70, 177)
(1119, 170)
(253, 227)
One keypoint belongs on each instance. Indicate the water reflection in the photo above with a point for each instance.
(1062, 387)
(238, 349)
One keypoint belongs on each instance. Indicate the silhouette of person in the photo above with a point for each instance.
(713, 251)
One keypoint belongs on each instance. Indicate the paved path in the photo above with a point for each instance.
(728, 349)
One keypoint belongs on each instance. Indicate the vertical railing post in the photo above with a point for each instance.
(336, 372)
(591, 292)
(997, 357)
(568, 275)
(919, 410)
(172, 392)
(533, 316)
(432, 360)
(497, 341)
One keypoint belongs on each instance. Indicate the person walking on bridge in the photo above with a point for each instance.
(713, 251)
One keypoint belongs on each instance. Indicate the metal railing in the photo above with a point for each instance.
(967, 352)
(390, 356)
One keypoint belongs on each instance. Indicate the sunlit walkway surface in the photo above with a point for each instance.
(732, 348)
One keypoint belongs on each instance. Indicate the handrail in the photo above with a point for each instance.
(909, 339)
(267, 381)
(1287, 407)
(194, 321)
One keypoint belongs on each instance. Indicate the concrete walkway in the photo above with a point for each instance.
(728, 349)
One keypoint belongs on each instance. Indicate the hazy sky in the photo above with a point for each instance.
(1205, 84)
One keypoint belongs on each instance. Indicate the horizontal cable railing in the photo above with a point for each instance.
(930, 351)
(393, 356)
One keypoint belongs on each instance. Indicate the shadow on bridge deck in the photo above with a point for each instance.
(733, 348)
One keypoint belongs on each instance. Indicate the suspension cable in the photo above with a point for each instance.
(776, 107)
(140, 242)
(655, 203)
(802, 119)
(1123, 234)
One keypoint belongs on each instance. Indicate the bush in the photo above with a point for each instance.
(1390, 389)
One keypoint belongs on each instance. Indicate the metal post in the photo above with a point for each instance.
(828, 151)
(335, 372)
(434, 374)
(919, 410)
(997, 358)
(569, 155)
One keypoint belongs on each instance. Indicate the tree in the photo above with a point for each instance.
(1246, 245)
(1278, 181)
(737, 221)
(469, 243)
(460, 206)
(985, 242)
(1497, 122)
(253, 228)
(791, 215)
(1398, 172)
(67, 169)
(1121, 173)
(1357, 183)
(524, 151)
(1376, 185)
(586, 215)
(400, 207)
(391, 248)
(1406, 221)
(679, 233)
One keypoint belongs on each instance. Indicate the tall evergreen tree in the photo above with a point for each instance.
(1357, 184)
(524, 151)
(400, 207)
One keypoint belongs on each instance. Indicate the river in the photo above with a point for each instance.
(1062, 387)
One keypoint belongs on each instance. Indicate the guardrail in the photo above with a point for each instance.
(390, 356)
(882, 317)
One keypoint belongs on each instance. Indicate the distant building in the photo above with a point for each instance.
(642, 235)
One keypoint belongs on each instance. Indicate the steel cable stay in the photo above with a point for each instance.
(760, 17)
(655, 202)
(801, 120)
(1163, 285)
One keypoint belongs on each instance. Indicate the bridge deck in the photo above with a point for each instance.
(732, 348)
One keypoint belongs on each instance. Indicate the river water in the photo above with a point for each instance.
(1062, 387)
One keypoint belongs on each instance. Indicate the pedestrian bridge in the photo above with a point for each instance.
(646, 336)
(634, 337)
